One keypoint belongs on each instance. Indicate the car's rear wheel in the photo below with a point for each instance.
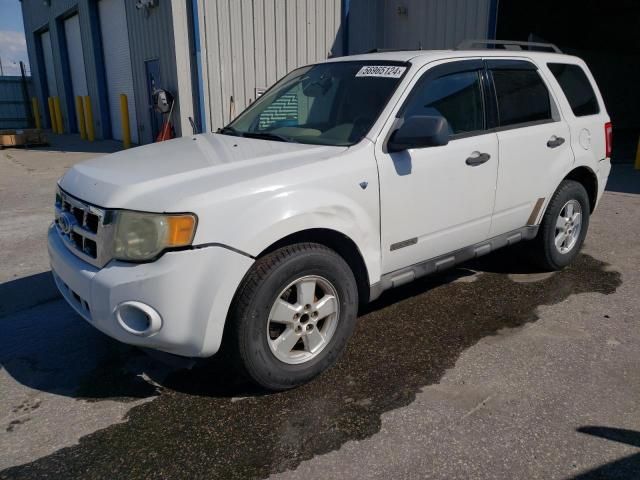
(563, 227)
(292, 315)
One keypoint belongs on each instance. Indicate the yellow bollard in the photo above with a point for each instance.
(52, 114)
(124, 113)
(36, 111)
(56, 107)
(88, 117)
(80, 118)
(638, 156)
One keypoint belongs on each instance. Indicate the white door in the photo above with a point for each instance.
(439, 199)
(47, 53)
(76, 57)
(117, 64)
(534, 143)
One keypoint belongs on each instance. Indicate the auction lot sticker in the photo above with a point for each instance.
(388, 71)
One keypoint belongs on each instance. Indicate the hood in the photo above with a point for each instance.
(161, 176)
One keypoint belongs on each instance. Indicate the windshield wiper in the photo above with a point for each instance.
(267, 136)
(230, 131)
(260, 135)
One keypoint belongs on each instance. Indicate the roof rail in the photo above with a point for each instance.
(382, 50)
(508, 45)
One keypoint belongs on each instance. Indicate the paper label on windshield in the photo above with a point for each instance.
(388, 71)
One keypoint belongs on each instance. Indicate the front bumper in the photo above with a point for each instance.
(190, 290)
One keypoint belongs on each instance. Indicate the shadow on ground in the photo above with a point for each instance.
(627, 467)
(51, 349)
(26, 292)
(73, 143)
(207, 420)
(624, 179)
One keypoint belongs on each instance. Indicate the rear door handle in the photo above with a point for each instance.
(477, 158)
(554, 142)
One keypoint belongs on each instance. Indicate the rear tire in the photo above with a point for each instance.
(563, 228)
(292, 315)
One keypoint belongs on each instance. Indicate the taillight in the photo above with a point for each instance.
(608, 138)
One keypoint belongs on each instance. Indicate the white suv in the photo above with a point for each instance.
(344, 179)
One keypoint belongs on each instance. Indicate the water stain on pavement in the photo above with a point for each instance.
(207, 424)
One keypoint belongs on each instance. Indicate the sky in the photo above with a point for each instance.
(13, 47)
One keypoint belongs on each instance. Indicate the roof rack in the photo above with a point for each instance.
(508, 45)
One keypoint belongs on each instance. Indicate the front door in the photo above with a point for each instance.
(436, 200)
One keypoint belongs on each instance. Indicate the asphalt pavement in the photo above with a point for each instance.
(490, 370)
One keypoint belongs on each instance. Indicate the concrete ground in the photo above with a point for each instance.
(492, 370)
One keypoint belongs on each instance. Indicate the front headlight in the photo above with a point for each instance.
(142, 236)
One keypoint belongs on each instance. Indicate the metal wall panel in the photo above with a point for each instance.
(117, 63)
(76, 56)
(14, 111)
(415, 24)
(39, 17)
(365, 19)
(249, 44)
(47, 53)
(151, 37)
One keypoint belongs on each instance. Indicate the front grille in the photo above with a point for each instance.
(82, 228)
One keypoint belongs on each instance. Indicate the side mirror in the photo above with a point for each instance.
(419, 131)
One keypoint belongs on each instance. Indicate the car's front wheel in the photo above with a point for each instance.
(292, 315)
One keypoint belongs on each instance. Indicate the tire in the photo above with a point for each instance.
(544, 249)
(259, 342)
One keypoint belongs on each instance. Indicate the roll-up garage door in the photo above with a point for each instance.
(117, 63)
(76, 58)
(47, 53)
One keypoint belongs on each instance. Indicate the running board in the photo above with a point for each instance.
(443, 262)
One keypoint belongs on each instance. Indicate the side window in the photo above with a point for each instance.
(577, 88)
(522, 97)
(457, 97)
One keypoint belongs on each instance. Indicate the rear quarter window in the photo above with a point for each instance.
(576, 88)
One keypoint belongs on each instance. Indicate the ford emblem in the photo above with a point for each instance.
(66, 221)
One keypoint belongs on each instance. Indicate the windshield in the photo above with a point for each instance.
(333, 103)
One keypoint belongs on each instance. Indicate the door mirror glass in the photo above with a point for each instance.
(419, 131)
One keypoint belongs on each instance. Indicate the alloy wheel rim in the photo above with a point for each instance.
(568, 226)
(303, 319)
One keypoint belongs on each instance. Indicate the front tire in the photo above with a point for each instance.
(563, 227)
(293, 315)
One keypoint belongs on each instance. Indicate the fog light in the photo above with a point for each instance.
(138, 318)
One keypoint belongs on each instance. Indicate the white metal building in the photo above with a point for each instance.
(215, 56)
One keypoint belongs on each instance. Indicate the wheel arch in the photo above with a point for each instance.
(589, 180)
(342, 244)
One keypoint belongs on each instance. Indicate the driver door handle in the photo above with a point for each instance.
(554, 142)
(477, 158)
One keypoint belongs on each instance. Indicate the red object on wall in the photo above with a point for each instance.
(166, 133)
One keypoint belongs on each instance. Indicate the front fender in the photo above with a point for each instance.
(287, 213)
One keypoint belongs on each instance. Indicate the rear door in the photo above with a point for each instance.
(534, 144)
